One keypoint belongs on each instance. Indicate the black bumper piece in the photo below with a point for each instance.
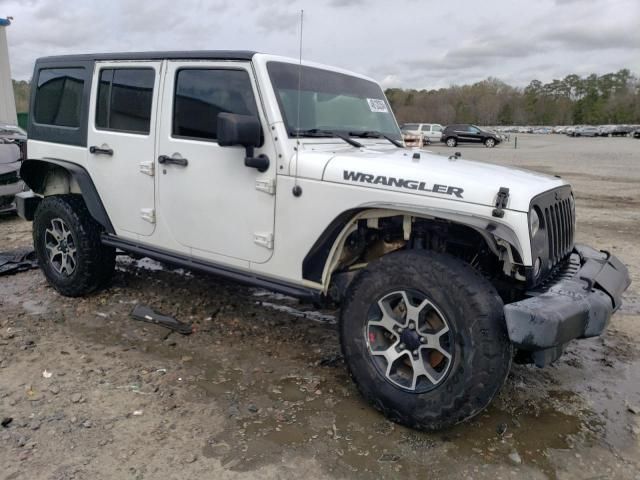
(26, 204)
(578, 304)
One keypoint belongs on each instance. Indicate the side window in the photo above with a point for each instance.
(125, 96)
(59, 97)
(436, 128)
(201, 94)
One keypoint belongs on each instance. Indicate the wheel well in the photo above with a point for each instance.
(350, 243)
(49, 179)
(59, 177)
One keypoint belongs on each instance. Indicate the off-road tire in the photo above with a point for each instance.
(95, 261)
(482, 351)
(451, 142)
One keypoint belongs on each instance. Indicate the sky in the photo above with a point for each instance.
(400, 43)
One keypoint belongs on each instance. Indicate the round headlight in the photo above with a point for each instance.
(534, 222)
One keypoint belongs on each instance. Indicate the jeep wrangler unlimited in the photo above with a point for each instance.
(293, 177)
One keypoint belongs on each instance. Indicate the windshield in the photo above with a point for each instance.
(330, 101)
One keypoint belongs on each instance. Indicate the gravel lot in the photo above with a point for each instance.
(260, 391)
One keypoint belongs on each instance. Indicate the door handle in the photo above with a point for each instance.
(100, 151)
(166, 159)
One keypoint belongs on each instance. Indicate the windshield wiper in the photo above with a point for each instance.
(376, 134)
(317, 132)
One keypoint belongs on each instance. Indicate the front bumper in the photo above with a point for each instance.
(578, 304)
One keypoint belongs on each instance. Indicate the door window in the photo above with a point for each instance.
(125, 97)
(201, 94)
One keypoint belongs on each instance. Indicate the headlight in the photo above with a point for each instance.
(534, 222)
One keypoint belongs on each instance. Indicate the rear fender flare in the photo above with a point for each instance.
(36, 172)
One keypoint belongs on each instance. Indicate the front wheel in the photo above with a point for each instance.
(424, 337)
(489, 143)
(451, 142)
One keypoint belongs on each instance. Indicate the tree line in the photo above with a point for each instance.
(613, 98)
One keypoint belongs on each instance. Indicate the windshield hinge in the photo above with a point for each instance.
(267, 186)
(263, 239)
(501, 202)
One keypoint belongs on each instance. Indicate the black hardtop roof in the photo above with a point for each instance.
(162, 55)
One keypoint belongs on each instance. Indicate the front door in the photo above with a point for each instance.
(208, 199)
(121, 143)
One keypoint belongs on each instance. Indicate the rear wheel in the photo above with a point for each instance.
(451, 142)
(425, 340)
(489, 143)
(67, 242)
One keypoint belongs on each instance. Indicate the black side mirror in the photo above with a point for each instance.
(245, 130)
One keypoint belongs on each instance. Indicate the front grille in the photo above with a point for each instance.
(554, 242)
(558, 217)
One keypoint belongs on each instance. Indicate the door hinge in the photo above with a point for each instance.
(267, 186)
(263, 239)
(148, 168)
(148, 214)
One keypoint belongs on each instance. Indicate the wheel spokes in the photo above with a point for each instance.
(59, 244)
(407, 340)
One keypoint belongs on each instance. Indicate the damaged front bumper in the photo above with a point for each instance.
(577, 304)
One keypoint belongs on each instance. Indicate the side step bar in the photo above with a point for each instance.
(238, 276)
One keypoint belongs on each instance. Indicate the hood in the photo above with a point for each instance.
(435, 176)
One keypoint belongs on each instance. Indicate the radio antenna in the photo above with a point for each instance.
(297, 190)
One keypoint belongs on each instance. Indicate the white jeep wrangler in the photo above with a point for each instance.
(294, 178)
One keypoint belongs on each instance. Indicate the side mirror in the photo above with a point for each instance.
(244, 130)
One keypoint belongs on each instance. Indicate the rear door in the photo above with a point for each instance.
(121, 142)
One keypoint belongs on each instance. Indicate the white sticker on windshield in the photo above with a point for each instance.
(377, 105)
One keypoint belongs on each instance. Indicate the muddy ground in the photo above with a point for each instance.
(260, 390)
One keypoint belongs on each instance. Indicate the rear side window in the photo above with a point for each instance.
(59, 97)
(125, 97)
(201, 94)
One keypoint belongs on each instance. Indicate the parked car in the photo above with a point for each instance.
(441, 268)
(10, 183)
(586, 132)
(452, 135)
(13, 143)
(430, 131)
(621, 131)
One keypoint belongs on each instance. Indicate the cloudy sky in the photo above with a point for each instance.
(401, 43)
